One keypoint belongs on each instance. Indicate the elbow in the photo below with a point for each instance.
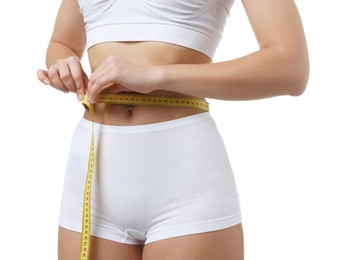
(290, 67)
(299, 82)
(297, 75)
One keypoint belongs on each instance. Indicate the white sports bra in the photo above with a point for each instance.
(196, 24)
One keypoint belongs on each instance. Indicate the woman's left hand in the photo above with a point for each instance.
(116, 75)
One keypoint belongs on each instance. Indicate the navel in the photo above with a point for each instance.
(130, 111)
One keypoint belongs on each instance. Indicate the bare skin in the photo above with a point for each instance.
(279, 67)
(224, 244)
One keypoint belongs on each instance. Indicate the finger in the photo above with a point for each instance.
(103, 77)
(106, 67)
(100, 84)
(66, 77)
(43, 76)
(77, 76)
(55, 80)
(81, 92)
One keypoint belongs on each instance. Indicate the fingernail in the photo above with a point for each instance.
(80, 97)
(46, 82)
(90, 99)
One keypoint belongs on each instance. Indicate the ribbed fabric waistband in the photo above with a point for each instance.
(147, 127)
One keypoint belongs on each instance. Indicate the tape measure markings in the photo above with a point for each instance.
(150, 100)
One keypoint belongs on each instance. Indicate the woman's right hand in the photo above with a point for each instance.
(66, 75)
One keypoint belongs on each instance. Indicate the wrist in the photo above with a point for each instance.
(157, 78)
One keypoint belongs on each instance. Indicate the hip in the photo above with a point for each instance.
(188, 147)
(181, 161)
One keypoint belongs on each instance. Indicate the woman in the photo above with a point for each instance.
(163, 187)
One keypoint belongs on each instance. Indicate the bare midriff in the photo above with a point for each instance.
(142, 53)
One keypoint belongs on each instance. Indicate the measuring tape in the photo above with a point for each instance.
(122, 99)
(149, 100)
(86, 224)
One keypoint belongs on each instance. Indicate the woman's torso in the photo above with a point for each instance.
(142, 53)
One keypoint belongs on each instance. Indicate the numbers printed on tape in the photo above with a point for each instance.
(86, 218)
(149, 100)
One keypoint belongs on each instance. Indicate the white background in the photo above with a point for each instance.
(285, 151)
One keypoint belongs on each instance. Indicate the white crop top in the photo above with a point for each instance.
(196, 24)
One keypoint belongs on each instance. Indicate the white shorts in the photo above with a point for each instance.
(152, 182)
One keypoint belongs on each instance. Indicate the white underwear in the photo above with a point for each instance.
(152, 182)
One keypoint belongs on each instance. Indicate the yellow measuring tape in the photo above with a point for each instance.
(122, 99)
(86, 224)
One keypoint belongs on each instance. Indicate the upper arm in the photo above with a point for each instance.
(69, 28)
(275, 23)
(278, 28)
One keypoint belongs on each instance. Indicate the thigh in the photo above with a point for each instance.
(101, 249)
(226, 244)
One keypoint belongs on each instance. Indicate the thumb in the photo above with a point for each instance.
(43, 76)
(81, 91)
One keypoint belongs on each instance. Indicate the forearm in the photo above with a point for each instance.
(279, 67)
(265, 73)
(57, 51)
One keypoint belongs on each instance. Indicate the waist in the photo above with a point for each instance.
(137, 109)
(146, 53)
